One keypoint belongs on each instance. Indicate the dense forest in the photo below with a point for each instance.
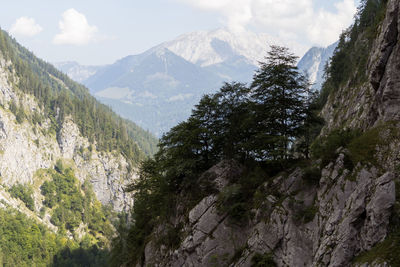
(59, 97)
(268, 127)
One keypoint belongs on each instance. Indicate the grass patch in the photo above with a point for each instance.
(363, 148)
(386, 251)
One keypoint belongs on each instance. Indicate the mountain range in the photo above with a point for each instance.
(158, 88)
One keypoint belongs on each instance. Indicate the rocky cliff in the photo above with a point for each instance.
(341, 215)
(377, 98)
(27, 148)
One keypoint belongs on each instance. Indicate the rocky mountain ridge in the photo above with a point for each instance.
(339, 210)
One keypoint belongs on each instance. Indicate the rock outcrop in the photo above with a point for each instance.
(385, 67)
(27, 148)
(351, 214)
(368, 104)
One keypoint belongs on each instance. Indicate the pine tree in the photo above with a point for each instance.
(278, 91)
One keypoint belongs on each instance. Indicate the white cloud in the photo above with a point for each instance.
(291, 20)
(75, 29)
(25, 26)
(180, 97)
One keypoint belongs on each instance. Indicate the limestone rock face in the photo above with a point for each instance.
(377, 100)
(352, 210)
(385, 66)
(27, 148)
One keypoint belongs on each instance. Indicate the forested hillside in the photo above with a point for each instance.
(59, 97)
(65, 160)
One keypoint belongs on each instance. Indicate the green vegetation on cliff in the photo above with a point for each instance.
(71, 204)
(84, 224)
(24, 242)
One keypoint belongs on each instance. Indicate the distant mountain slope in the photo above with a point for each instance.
(314, 61)
(156, 89)
(159, 87)
(76, 71)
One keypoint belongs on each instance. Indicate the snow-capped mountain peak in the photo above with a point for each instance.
(207, 48)
(314, 61)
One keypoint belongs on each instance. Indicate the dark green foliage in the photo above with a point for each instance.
(279, 95)
(311, 127)
(312, 175)
(238, 199)
(304, 214)
(18, 111)
(171, 236)
(349, 62)
(361, 147)
(325, 148)
(232, 201)
(153, 204)
(86, 255)
(364, 147)
(60, 97)
(24, 193)
(263, 260)
(387, 251)
(23, 242)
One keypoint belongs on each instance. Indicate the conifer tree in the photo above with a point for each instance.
(278, 92)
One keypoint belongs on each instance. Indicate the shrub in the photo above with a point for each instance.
(24, 193)
(312, 175)
(231, 201)
(325, 148)
(171, 237)
(263, 260)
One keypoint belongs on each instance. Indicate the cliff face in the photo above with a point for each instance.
(297, 223)
(350, 214)
(376, 100)
(26, 148)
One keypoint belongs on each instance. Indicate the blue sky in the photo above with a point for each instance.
(102, 31)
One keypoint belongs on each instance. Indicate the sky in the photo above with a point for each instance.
(97, 32)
